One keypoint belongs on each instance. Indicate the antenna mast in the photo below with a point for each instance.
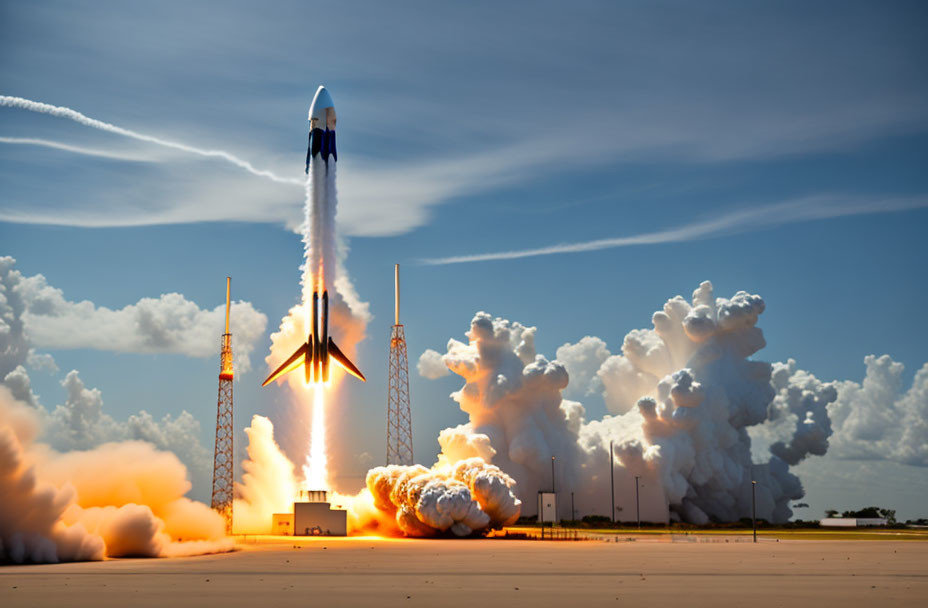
(222, 457)
(399, 418)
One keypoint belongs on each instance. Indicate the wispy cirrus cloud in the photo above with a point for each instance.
(745, 220)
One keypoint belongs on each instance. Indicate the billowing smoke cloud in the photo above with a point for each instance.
(519, 420)
(801, 402)
(683, 393)
(268, 482)
(63, 112)
(461, 499)
(583, 361)
(119, 499)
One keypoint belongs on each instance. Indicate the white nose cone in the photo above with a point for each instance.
(322, 111)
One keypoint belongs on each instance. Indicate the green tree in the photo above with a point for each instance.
(889, 514)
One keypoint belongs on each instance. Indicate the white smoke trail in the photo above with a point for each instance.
(748, 220)
(57, 145)
(63, 112)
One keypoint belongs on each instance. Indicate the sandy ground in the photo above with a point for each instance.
(691, 571)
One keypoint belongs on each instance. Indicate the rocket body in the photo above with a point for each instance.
(321, 129)
(319, 349)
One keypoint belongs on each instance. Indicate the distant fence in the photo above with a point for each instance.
(542, 534)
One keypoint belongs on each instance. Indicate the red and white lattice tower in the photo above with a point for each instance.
(222, 459)
(399, 418)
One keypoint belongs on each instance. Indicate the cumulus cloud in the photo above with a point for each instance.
(431, 365)
(878, 419)
(41, 362)
(14, 347)
(167, 324)
(36, 314)
(20, 385)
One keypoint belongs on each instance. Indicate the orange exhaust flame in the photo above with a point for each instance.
(315, 471)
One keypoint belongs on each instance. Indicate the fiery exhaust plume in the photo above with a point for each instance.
(315, 471)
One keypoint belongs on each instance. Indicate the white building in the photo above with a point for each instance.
(851, 522)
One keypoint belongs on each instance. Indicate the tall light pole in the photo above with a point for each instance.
(637, 509)
(553, 491)
(754, 507)
(612, 480)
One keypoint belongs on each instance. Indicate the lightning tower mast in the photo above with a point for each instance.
(399, 418)
(222, 458)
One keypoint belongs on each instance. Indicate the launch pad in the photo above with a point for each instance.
(313, 515)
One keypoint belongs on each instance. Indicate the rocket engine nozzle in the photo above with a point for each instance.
(314, 355)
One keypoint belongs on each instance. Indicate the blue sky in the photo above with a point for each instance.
(467, 129)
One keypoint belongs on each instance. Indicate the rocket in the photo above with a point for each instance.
(319, 349)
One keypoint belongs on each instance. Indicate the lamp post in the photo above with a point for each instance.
(552, 476)
(637, 507)
(612, 480)
(754, 507)
(553, 491)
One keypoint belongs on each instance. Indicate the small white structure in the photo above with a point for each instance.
(851, 522)
(316, 517)
(547, 507)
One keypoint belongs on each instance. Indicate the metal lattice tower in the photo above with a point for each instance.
(399, 418)
(222, 459)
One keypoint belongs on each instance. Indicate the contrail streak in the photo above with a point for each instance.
(62, 112)
(748, 220)
(57, 145)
